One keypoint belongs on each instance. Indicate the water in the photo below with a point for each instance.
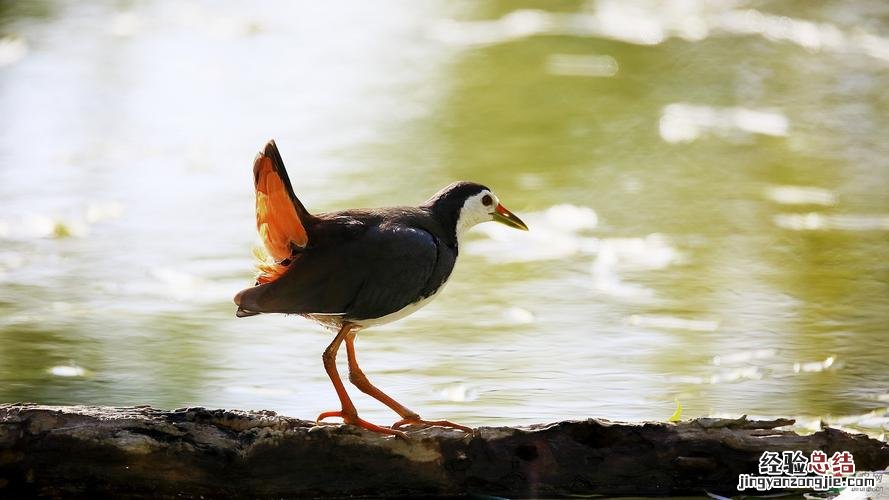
(707, 187)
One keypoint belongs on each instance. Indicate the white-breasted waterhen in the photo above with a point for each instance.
(358, 268)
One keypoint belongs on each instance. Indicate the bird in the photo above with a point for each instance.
(354, 269)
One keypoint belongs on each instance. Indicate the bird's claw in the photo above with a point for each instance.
(351, 419)
(430, 423)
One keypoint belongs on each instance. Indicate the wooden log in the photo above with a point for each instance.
(195, 452)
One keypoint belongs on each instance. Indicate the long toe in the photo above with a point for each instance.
(364, 424)
(360, 422)
(430, 423)
(329, 414)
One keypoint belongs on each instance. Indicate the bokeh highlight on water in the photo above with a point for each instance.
(706, 183)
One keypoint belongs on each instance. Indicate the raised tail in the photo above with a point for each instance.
(281, 219)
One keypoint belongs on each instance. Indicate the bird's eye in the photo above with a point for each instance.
(487, 200)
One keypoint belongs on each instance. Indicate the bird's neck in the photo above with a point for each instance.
(464, 223)
(454, 221)
(447, 230)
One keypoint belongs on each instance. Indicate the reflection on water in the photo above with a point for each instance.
(651, 22)
(682, 122)
(706, 184)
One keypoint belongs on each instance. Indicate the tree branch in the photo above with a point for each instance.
(143, 452)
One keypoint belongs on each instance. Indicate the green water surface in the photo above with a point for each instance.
(707, 186)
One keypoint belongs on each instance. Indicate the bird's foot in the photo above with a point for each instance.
(430, 423)
(364, 424)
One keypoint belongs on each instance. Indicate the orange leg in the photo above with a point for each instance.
(348, 412)
(408, 417)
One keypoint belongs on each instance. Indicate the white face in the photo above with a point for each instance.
(477, 209)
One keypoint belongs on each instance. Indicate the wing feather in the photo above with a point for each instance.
(381, 272)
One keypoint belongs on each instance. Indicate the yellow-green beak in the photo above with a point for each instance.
(504, 216)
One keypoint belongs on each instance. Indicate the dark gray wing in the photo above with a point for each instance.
(385, 269)
(399, 268)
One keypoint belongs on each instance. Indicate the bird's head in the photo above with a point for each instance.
(466, 204)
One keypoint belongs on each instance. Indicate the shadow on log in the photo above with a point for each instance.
(143, 452)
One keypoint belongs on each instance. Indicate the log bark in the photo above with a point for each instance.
(141, 452)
